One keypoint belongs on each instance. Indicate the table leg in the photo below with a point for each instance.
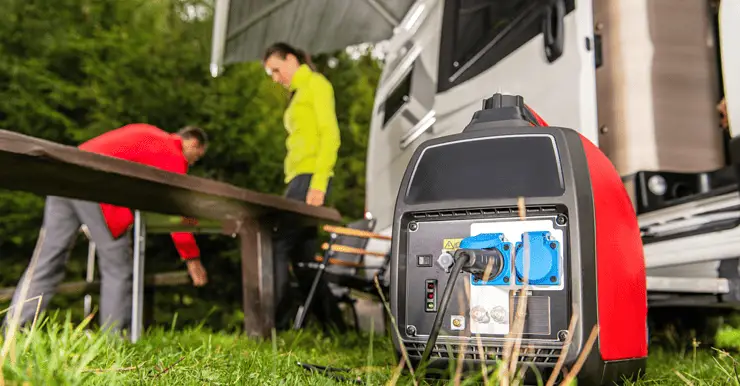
(89, 276)
(137, 308)
(257, 278)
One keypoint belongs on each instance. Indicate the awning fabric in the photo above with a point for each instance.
(316, 26)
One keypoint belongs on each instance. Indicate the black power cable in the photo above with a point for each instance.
(461, 258)
(473, 261)
(332, 372)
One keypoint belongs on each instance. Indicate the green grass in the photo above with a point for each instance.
(59, 353)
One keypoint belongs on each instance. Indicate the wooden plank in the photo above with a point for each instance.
(167, 279)
(355, 232)
(347, 249)
(48, 168)
(157, 223)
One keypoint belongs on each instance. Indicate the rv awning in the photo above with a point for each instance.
(244, 28)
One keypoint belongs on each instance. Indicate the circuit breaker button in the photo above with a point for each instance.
(424, 260)
(445, 261)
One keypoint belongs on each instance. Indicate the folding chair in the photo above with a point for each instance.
(343, 265)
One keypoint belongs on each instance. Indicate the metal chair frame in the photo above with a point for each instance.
(337, 237)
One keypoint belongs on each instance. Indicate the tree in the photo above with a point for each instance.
(73, 69)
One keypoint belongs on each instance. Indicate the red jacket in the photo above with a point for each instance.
(147, 145)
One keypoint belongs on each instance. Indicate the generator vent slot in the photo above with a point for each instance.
(490, 353)
(499, 211)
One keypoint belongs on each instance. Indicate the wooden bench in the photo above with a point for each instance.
(47, 168)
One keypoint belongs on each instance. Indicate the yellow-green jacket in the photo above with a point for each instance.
(313, 131)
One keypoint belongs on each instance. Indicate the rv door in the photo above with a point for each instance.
(730, 53)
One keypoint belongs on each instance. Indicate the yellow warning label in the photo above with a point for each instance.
(451, 244)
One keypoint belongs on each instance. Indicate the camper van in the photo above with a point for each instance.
(642, 79)
(604, 68)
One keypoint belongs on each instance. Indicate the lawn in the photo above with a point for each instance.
(64, 354)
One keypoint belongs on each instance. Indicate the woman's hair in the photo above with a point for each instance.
(283, 49)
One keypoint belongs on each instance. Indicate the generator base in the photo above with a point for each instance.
(607, 373)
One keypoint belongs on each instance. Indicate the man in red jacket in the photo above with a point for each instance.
(109, 225)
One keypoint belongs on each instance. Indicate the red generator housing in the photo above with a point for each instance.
(586, 251)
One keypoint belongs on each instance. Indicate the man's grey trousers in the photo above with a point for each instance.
(62, 220)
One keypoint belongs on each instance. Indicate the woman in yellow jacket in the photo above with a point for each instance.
(312, 145)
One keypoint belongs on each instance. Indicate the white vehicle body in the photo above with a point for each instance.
(564, 92)
(416, 100)
(639, 78)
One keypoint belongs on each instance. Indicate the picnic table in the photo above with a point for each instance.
(160, 200)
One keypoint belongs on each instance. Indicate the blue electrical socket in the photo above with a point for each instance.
(543, 259)
(491, 241)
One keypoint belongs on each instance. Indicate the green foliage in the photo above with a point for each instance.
(728, 338)
(73, 69)
(64, 354)
(54, 353)
(61, 353)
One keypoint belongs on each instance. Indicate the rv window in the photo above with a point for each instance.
(476, 34)
(397, 98)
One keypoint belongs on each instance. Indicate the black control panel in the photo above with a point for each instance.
(476, 308)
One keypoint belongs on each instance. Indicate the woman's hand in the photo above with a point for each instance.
(315, 197)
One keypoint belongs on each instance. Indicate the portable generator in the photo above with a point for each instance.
(463, 248)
